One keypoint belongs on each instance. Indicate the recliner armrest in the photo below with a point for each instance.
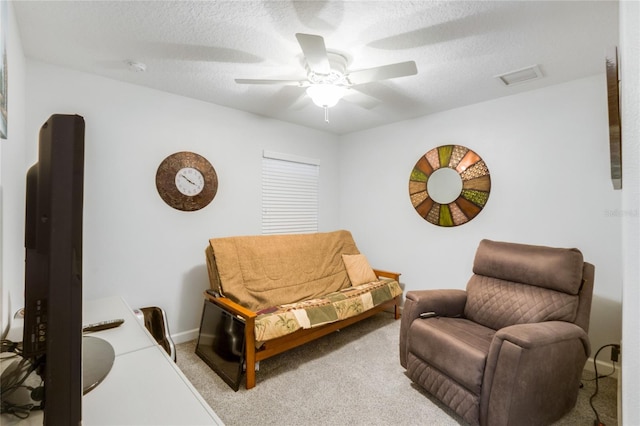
(446, 303)
(449, 303)
(528, 336)
(530, 367)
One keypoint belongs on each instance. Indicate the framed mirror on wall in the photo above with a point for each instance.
(613, 104)
(449, 185)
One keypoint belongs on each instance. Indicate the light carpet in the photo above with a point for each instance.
(351, 377)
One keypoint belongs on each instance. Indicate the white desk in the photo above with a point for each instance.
(144, 386)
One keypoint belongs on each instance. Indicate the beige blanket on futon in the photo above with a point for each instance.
(268, 270)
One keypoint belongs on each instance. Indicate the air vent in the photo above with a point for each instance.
(520, 76)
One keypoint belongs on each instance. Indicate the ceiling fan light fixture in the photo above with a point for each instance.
(325, 95)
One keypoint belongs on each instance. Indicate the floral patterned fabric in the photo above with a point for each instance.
(284, 319)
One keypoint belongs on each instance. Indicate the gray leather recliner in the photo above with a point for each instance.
(509, 350)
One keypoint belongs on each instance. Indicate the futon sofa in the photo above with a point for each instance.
(291, 289)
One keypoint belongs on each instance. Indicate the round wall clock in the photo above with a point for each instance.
(186, 181)
(449, 185)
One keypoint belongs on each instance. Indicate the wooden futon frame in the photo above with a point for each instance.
(276, 346)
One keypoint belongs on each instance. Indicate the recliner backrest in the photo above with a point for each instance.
(519, 283)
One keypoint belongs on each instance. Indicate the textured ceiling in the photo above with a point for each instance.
(198, 48)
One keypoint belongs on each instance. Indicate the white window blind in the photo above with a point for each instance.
(289, 194)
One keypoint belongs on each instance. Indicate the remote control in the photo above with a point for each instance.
(104, 325)
(428, 315)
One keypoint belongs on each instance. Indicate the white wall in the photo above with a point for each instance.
(12, 179)
(134, 244)
(547, 152)
(630, 108)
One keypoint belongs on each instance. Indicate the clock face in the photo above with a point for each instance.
(189, 181)
(186, 181)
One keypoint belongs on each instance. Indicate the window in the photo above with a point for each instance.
(289, 194)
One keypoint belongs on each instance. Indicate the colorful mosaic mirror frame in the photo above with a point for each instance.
(476, 185)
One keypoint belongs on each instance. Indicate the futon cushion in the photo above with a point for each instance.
(456, 347)
(548, 267)
(281, 320)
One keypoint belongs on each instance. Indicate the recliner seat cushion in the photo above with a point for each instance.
(456, 347)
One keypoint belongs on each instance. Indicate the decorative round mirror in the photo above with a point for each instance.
(449, 185)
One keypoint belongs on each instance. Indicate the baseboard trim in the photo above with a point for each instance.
(604, 367)
(185, 336)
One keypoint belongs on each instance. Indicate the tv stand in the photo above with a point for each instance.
(144, 385)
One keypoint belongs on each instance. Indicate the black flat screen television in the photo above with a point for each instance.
(221, 343)
(52, 337)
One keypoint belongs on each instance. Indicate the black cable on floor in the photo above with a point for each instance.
(597, 421)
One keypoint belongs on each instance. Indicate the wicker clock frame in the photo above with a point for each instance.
(166, 185)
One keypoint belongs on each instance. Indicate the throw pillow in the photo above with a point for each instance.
(358, 269)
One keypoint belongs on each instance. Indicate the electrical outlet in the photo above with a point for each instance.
(615, 353)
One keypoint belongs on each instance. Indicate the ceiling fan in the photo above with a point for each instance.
(327, 75)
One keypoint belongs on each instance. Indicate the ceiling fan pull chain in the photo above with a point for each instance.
(326, 114)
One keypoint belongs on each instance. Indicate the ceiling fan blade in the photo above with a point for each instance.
(363, 100)
(280, 82)
(315, 53)
(384, 72)
(285, 98)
